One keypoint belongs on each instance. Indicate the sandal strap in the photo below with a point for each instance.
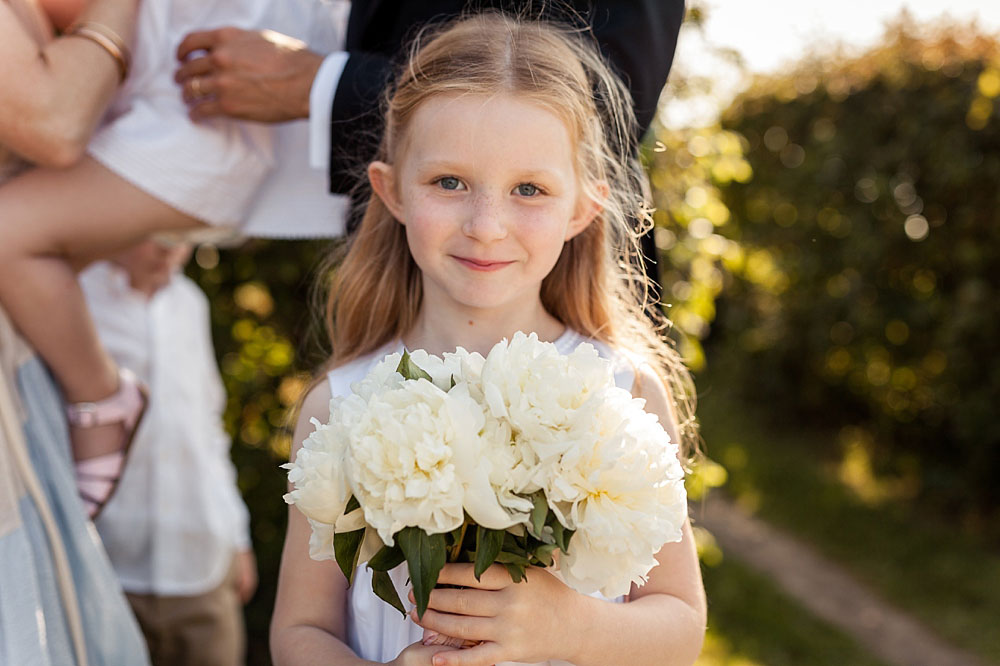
(106, 467)
(124, 406)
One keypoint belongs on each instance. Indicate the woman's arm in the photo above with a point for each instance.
(662, 625)
(54, 91)
(309, 626)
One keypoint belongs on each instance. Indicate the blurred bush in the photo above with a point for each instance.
(840, 233)
(268, 346)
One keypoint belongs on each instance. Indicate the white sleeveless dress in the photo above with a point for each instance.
(375, 630)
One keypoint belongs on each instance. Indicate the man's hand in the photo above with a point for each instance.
(246, 74)
(246, 575)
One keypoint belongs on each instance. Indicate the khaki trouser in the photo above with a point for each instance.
(204, 630)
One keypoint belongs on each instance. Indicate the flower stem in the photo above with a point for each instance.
(456, 550)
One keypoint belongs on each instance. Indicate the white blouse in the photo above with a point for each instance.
(375, 630)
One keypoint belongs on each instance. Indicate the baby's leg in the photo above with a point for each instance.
(52, 223)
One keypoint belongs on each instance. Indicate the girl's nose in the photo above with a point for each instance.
(486, 220)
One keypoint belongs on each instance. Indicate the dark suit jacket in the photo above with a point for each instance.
(637, 36)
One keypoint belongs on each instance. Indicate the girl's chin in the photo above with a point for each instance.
(486, 302)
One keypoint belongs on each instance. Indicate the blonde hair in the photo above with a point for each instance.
(597, 286)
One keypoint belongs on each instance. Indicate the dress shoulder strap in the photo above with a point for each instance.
(342, 377)
(624, 363)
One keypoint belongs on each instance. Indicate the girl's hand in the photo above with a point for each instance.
(523, 622)
(418, 655)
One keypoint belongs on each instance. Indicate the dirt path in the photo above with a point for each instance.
(825, 589)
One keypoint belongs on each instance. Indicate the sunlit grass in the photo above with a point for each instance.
(751, 623)
(808, 482)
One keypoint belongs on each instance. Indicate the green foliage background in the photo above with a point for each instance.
(269, 343)
(836, 238)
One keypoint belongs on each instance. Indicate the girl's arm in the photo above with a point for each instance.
(309, 623)
(54, 91)
(662, 625)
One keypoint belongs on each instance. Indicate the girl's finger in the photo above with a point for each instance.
(481, 603)
(467, 627)
(494, 578)
(485, 654)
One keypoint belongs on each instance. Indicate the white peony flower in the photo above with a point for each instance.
(537, 390)
(321, 489)
(415, 458)
(458, 366)
(511, 477)
(479, 438)
(620, 486)
(321, 541)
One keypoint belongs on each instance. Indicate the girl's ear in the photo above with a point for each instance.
(590, 206)
(382, 176)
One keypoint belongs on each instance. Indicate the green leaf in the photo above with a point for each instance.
(346, 546)
(386, 559)
(425, 555)
(539, 512)
(409, 369)
(352, 505)
(516, 572)
(453, 383)
(512, 558)
(562, 535)
(386, 591)
(544, 553)
(488, 544)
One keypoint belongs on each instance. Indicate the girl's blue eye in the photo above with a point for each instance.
(527, 190)
(450, 183)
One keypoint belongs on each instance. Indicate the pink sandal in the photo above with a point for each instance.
(97, 477)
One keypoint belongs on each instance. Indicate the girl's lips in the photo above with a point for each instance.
(479, 265)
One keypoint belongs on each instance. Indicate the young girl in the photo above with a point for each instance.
(501, 202)
(149, 169)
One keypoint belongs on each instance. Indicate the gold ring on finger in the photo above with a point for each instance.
(196, 87)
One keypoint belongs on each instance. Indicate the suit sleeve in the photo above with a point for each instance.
(355, 122)
(639, 37)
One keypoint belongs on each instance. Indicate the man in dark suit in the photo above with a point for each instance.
(259, 76)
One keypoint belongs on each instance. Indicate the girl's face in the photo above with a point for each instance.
(487, 190)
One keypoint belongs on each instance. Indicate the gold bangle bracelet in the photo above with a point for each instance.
(108, 40)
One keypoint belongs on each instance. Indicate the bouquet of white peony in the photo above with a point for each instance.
(506, 459)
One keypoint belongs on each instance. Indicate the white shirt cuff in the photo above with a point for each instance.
(321, 107)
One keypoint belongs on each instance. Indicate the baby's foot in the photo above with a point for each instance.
(101, 434)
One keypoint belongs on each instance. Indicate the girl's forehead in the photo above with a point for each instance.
(449, 122)
(473, 104)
